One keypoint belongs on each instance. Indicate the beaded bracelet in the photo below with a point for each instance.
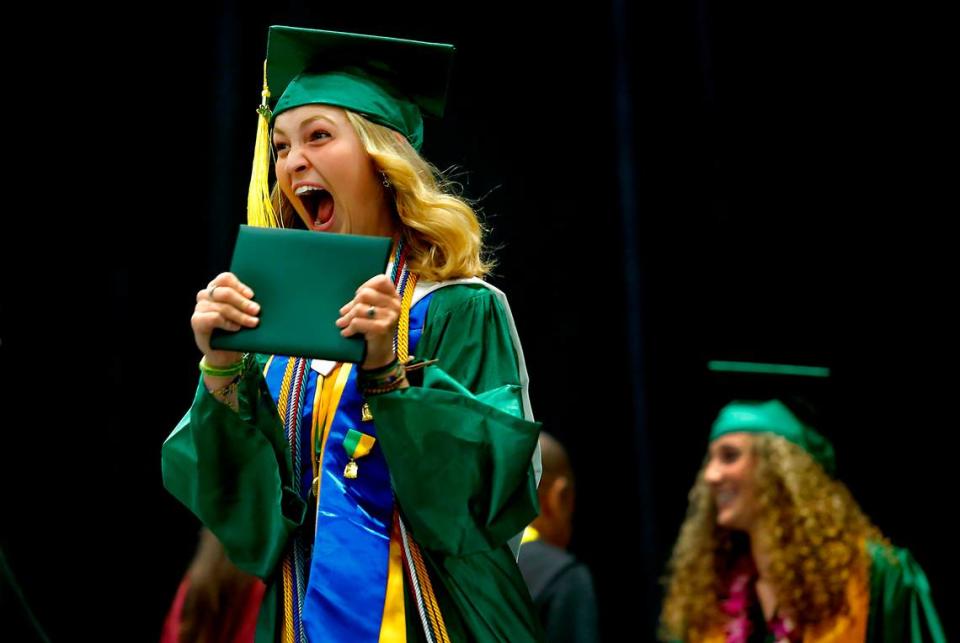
(382, 380)
(227, 394)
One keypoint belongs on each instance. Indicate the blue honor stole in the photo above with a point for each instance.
(347, 581)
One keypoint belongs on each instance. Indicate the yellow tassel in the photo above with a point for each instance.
(259, 209)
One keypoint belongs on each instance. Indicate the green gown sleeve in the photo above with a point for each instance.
(242, 491)
(457, 445)
(901, 608)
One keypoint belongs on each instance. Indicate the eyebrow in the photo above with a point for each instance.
(305, 122)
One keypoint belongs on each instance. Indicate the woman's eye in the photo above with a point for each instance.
(728, 456)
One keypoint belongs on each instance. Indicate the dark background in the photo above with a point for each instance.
(667, 182)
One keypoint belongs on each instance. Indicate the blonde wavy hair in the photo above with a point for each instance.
(443, 235)
(815, 530)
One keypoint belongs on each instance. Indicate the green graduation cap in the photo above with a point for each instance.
(768, 413)
(389, 81)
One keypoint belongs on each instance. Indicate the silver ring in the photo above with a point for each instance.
(211, 290)
(371, 312)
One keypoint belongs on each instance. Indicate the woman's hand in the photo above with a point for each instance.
(374, 313)
(225, 303)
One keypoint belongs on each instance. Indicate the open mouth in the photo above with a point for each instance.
(318, 204)
(724, 498)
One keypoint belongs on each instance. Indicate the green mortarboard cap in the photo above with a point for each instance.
(766, 415)
(389, 81)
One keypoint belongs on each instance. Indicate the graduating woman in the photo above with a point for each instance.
(379, 501)
(775, 549)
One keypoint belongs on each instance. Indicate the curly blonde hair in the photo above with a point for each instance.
(443, 235)
(815, 531)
